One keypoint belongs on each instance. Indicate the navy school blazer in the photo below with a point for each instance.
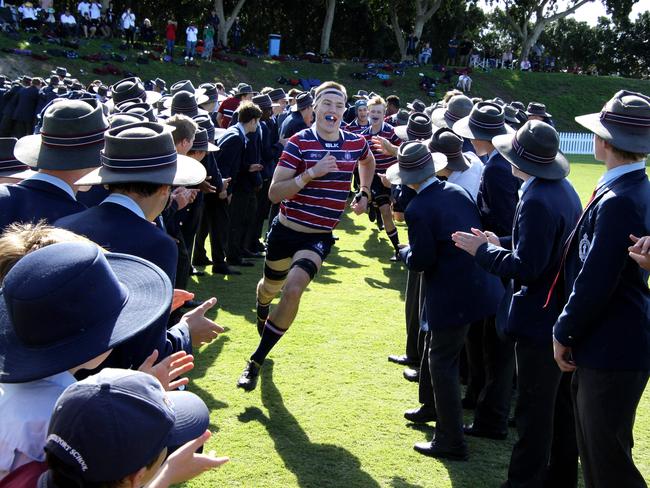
(529, 259)
(458, 290)
(34, 200)
(606, 319)
(498, 195)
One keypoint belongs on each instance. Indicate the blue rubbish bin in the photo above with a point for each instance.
(274, 44)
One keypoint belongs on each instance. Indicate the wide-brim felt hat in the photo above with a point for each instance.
(67, 303)
(61, 72)
(119, 119)
(244, 89)
(209, 90)
(277, 94)
(71, 137)
(145, 153)
(458, 106)
(447, 142)
(131, 88)
(624, 122)
(485, 121)
(303, 101)
(539, 109)
(534, 149)
(202, 142)
(142, 108)
(415, 164)
(263, 101)
(417, 106)
(418, 127)
(199, 97)
(183, 85)
(10, 167)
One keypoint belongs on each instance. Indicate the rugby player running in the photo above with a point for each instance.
(311, 182)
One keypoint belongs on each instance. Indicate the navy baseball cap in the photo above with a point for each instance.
(116, 422)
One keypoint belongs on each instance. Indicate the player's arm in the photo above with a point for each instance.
(367, 171)
(286, 184)
(366, 174)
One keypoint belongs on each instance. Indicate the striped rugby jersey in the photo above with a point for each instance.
(320, 204)
(382, 161)
(227, 109)
(355, 128)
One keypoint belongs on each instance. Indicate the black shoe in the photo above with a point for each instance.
(395, 258)
(201, 262)
(242, 263)
(224, 269)
(403, 359)
(196, 272)
(252, 255)
(432, 449)
(412, 374)
(486, 434)
(421, 415)
(192, 304)
(248, 378)
(335, 237)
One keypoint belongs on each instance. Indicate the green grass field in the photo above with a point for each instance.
(328, 409)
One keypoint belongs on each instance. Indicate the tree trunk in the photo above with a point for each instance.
(226, 23)
(531, 39)
(327, 27)
(424, 10)
(399, 35)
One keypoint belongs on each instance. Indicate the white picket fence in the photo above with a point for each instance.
(577, 142)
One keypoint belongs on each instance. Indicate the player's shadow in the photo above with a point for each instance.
(314, 465)
(348, 223)
(202, 363)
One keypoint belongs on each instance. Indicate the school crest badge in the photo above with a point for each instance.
(347, 156)
(583, 247)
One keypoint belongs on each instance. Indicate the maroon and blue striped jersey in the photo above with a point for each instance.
(320, 204)
(382, 161)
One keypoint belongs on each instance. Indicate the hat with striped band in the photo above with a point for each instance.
(535, 150)
(139, 108)
(10, 167)
(72, 135)
(418, 128)
(277, 94)
(457, 107)
(185, 103)
(486, 120)
(145, 153)
(130, 88)
(201, 142)
(450, 144)
(415, 164)
(624, 122)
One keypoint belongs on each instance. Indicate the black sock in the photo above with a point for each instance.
(394, 238)
(270, 337)
(262, 314)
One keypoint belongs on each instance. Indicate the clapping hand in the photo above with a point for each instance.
(169, 368)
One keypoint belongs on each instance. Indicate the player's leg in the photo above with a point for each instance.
(275, 274)
(304, 266)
